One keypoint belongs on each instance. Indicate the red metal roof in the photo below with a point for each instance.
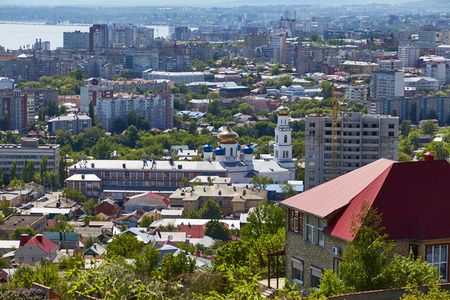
(42, 242)
(337, 193)
(412, 198)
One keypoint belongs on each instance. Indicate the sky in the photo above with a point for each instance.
(199, 3)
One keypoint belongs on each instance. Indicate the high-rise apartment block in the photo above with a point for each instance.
(387, 84)
(409, 55)
(92, 91)
(436, 67)
(361, 139)
(13, 110)
(158, 109)
(98, 36)
(277, 47)
(76, 40)
(253, 41)
(41, 96)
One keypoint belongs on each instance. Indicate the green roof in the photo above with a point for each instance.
(62, 236)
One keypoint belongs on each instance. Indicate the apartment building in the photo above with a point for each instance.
(158, 109)
(28, 149)
(409, 55)
(387, 84)
(277, 46)
(13, 110)
(436, 67)
(72, 122)
(41, 96)
(361, 139)
(76, 40)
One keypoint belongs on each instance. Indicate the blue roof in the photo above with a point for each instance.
(219, 151)
(248, 150)
(208, 148)
(192, 114)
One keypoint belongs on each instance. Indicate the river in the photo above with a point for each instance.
(16, 35)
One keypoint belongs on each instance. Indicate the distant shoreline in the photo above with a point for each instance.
(43, 23)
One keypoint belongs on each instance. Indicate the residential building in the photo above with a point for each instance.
(277, 46)
(287, 21)
(357, 93)
(409, 55)
(361, 139)
(98, 36)
(426, 83)
(72, 122)
(140, 84)
(141, 59)
(41, 96)
(253, 41)
(76, 40)
(231, 200)
(12, 222)
(319, 221)
(436, 67)
(108, 207)
(414, 109)
(175, 58)
(6, 83)
(33, 68)
(13, 109)
(64, 240)
(390, 64)
(176, 77)
(158, 109)
(37, 249)
(28, 149)
(234, 91)
(93, 91)
(146, 202)
(387, 84)
(182, 33)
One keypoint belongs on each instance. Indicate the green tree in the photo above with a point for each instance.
(326, 89)
(89, 206)
(62, 170)
(17, 233)
(216, 230)
(174, 265)
(288, 190)
(103, 149)
(405, 127)
(429, 128)
(73, 195)
(146, 221)
(91, 112)
(126, 245)
(246, 109)
(214, 108)
(25, 177)
(314, 37)
(13, 171)
(366, 256)
(210, 210)
(192, 128)
(147, 261)
(261, 182)
(274, 70)
(43, 167)
(265, 218)
(285, 81)
(89, 241)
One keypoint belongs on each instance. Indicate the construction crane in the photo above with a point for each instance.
(334, 127)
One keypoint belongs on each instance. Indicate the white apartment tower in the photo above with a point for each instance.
(283, 146)
(278, 47)
(387, 85)
(361, 139)
(409, 55)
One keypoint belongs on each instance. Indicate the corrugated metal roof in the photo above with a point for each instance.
(339, 192)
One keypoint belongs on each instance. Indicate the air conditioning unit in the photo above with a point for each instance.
(335, 250)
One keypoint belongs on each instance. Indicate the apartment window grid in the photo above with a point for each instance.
(309, 229)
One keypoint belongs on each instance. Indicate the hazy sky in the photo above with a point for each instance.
(201, 3)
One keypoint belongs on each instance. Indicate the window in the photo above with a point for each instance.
(310, 228)
(415, 250)
(312, 124)
(391, 133)
(437, 256)
(295, 223)
(320, 235)
(285, 139)
(316, 275)
(336, 263)
(297, 270)
(391, 126)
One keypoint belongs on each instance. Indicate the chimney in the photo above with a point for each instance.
(428, 156)
(39, 238)
(23, 240)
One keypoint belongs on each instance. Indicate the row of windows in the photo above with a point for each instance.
(141, 183)
(295, 224)
(146, 175)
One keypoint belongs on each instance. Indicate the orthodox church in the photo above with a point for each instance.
(241, 165)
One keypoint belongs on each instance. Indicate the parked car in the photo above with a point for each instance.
(42, 199)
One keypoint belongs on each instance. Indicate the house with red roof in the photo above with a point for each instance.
(412, 198)
(38, 248)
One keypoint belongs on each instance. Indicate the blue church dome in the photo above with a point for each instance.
(239, 147)
(219, 151)
(248, 149)
(208, 148)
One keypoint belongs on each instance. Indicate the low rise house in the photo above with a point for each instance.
(12, 222)
(412, 198)
(232, 200)
(65, 240)
(36, 249)
(109, 207)
(146, 202)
